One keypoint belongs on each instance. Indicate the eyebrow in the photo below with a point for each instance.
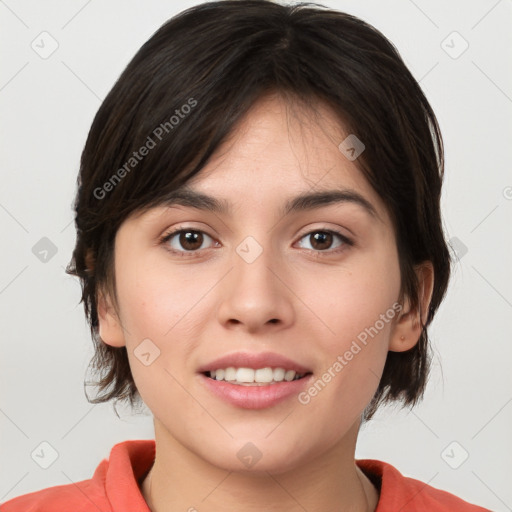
(305, 202)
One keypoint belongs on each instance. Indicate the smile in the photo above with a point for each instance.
(254, 377)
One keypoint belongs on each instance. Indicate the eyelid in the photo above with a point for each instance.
(327, 229)
(169, 234)
(346, 241)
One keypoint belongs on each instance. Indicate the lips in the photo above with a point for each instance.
(245, 394)
(254, 361)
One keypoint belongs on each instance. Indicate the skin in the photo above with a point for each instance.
(195, 309)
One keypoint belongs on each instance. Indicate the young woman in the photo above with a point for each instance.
(260, 248)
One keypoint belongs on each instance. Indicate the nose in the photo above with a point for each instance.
(255, 296)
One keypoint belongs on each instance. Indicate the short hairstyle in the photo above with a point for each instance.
(187, 87)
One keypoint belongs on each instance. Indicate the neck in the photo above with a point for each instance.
(182, 481)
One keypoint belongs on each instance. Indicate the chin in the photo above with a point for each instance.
(257, 456)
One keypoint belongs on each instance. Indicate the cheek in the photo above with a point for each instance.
(160, 315)
(353, 299)
(355, 305)
(158, 299)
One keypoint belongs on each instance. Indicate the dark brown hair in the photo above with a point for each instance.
(217, 59)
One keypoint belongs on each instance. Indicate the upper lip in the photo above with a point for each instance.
(255, 361)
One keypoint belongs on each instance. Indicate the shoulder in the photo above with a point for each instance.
(398, 492)
(84, 496)
(114, 485)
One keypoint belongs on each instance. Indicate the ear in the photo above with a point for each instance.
(110, 328)
(408, 327)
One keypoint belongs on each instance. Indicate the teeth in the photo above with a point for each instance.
(289, 375)
(278, 374)
(244, 375)
(264, 375)
(248, 376)
(230, 373)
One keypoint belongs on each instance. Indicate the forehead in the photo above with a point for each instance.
(280, 159)
(277, 135)
(279, 150)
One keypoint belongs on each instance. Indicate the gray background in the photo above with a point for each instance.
(47, 106)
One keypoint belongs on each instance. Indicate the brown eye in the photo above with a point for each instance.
(191, 240)
(322, 240)
(186, 240)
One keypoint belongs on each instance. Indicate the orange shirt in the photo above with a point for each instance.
(114, 487)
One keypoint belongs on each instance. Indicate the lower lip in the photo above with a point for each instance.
(255, 397)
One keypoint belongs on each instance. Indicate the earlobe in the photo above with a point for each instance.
(110, 330)
(409, 326)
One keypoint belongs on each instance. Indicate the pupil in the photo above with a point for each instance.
(322, 238)
(188, 240)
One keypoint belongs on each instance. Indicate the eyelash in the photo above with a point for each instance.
(168, 236)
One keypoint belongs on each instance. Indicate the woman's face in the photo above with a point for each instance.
(255, 280)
